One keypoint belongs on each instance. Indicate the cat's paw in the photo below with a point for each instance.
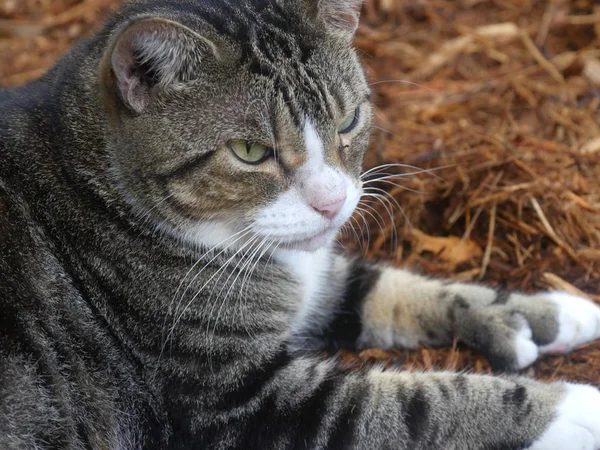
(576, 425)
(578, 323)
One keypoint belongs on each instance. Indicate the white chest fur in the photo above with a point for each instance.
(309, 269)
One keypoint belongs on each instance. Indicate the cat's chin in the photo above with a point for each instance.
(313, 243)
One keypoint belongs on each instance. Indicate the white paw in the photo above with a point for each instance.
(577, 422)
(579, 322)
(526, 350)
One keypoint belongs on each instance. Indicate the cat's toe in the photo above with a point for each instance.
(526, 351)
(576, 425)
(578, 323)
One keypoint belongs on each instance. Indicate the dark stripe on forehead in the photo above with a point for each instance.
(273, 42)
(323, 91)
(289, 99)
(287, 25)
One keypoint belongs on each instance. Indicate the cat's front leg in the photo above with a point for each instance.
(319, 405)
(397, 308)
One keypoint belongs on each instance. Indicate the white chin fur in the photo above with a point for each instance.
(312, 244)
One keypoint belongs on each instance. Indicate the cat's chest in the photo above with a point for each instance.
(309, 270)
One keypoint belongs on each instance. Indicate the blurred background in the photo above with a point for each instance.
(494, 105)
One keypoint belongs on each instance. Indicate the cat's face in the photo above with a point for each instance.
(253, 128)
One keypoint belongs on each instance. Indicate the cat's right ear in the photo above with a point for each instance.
(154, 54)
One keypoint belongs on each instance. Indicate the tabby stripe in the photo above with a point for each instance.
(346, 327)
(308, 417)
(255, 381)
(186, 167)
(347, 422)
(417, 415)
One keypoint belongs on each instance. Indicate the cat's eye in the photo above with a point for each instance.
(250, 153)
(350, 122)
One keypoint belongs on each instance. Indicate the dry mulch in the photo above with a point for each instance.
(493, 105)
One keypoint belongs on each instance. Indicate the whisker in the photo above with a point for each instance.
(242, 232)
(412, 83)
(252, 268)
(387, 176)
(179, 316)
(239, 270)
(369, 192)
(242, 263)
(248, 248)
(385, 130)
(366, 222)
(402, 186)
(241, 297)
(144, 216)
(238, 236)
(359, 238)
(388, 165)
(385, 201)
(399, 207)
(380, 224)
(242, 260)
(170, 310)
(369, 209)
(416, 170)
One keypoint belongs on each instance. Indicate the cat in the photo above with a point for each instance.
(169, 197)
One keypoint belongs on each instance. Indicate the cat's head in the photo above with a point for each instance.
(239, 119)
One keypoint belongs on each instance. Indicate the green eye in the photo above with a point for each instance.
(250, 153)
(350, 123)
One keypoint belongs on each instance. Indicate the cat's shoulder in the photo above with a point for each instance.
(20, 243)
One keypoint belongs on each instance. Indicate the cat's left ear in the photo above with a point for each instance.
(341, 16)
(155, 54)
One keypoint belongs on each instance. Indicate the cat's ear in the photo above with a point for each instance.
(340, 16)
(156, 54)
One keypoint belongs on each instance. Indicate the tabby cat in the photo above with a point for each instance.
(169, 196)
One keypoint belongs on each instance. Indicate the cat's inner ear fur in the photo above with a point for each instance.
(340, 16)
(156, 54)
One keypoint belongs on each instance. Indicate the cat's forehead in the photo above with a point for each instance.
(278, 41)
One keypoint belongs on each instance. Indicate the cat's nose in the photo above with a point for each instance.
(330, 209)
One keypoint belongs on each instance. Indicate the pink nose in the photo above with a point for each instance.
(332, 209)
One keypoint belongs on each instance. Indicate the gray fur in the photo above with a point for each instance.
(108, 341)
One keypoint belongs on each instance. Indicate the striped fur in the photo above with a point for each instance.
(136, 312)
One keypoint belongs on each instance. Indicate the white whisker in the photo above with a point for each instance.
(179, 316)
(412, 83)
(385, 201)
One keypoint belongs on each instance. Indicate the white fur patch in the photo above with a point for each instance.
(308, 268)
(579, 322)
(314, 144)
(577, 422)
(527, 351)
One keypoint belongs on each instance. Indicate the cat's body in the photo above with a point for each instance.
(137, 313)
